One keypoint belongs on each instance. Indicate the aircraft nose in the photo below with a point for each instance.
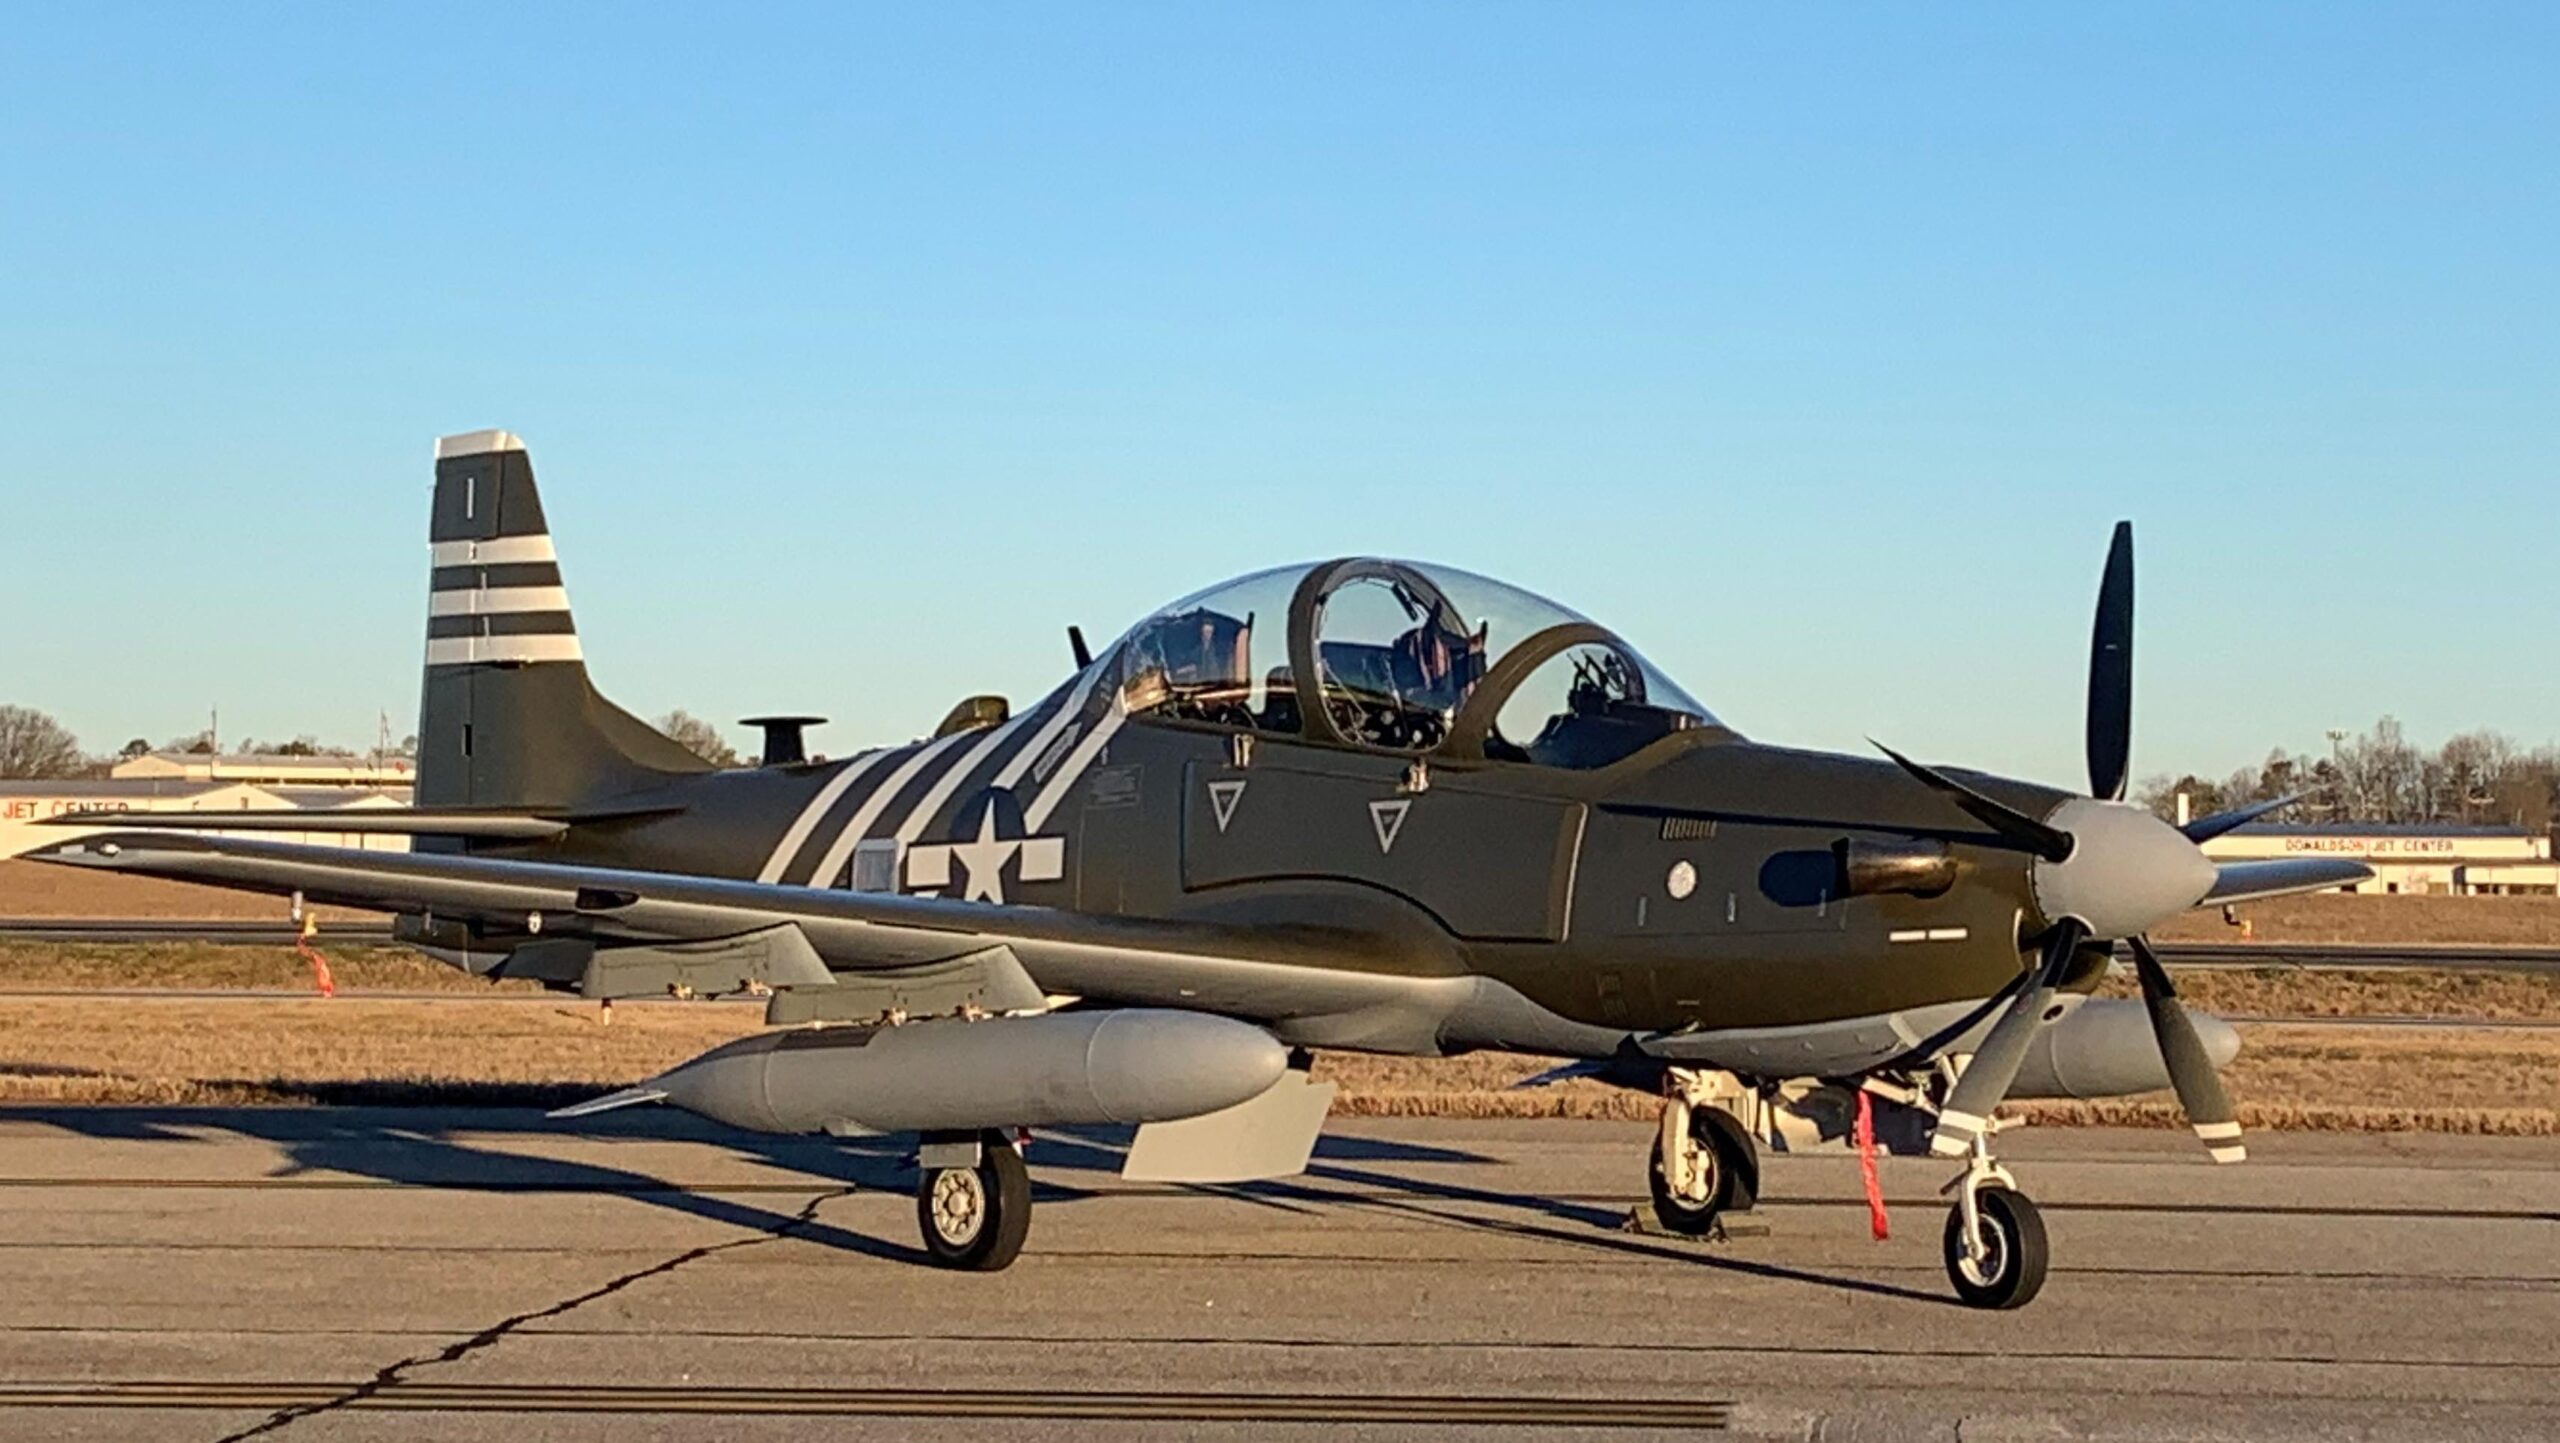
(2127, 871)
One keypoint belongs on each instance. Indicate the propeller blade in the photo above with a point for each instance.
(2205, 829)
(1987, 1079)
(2111, 672)
(2014, 826)
(2200, 1093)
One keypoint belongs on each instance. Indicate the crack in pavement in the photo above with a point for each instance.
(394, 1374)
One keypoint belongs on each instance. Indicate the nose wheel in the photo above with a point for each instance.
(973, 1202)
(1995, 1242)
(1702, 1167)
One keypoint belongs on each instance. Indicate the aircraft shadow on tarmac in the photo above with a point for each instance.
(418, 1147)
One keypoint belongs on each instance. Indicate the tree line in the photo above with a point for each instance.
(35, 747)
(2478, 778)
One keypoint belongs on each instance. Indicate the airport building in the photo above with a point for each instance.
(2417, 858)
(25, 806)
(268, 771)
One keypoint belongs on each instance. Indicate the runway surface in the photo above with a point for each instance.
(329, 1274)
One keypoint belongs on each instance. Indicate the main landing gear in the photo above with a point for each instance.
(973, 1200)
(1704, 1164)
(1995, 1243)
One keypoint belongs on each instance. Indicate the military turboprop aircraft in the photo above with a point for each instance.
(1361, 804)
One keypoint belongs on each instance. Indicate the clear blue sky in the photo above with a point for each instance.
(859, 349)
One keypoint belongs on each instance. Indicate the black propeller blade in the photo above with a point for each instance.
(2200, 1093)
(2110, 724)
(2205, 829)
(2016, 827)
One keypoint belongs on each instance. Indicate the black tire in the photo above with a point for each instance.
(2014, 1273)
(1731, 1181)
(976, 1219)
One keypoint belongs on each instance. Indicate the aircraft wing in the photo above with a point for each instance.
(2280, 877)
(1258, 972)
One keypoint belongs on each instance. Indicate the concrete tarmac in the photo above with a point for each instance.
(310, 1274)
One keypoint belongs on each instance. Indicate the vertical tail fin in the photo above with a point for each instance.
(508, 717)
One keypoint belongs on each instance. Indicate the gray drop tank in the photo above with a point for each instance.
(1133, 1065)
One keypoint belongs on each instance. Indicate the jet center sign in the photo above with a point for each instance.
(2375, 846)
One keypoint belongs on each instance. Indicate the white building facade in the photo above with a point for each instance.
(2419, 859)
(25, 808)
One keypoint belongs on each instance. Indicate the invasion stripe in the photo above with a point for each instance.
(876, 803)
(480, 599)
(812, 814)
(494, 551)
(1073, 768)
(513, 573)
(466, 650)
(1067, 712)
(921, 815)
(503, 623)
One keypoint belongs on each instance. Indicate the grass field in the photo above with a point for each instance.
(540, 1049)
(544, 1050)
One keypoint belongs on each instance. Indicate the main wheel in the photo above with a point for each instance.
(2012, 1267)
(1728, 1183)
(975, 1218)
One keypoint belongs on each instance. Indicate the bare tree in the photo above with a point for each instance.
(33, 746)
(699, 737)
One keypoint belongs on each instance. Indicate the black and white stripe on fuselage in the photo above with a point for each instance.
(896, 794)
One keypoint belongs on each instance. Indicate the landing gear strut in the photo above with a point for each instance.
(1703, 1164)
(973, 1200)
(1995, 1243)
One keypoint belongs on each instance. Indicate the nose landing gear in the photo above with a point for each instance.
(1995, 1242)
(1703, 1164)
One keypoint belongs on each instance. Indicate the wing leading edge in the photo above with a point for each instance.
(1340, 985)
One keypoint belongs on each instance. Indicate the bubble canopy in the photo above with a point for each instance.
(1403, 657)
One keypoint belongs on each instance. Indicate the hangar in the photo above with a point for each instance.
(2412, 858)
(25, 806)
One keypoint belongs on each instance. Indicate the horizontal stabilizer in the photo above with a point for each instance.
(404, 821)
(2282, 876)
(611, 1102)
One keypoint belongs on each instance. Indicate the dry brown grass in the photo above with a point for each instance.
(2450, 1079)
(2360, 992)
(68, 966)
(39, 889)
(62, 1049)
(2339, 917)
(546, 1051)
(352, 1049)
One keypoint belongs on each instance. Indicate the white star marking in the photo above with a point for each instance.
(983, 860)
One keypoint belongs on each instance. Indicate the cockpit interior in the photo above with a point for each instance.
(1400, 657)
